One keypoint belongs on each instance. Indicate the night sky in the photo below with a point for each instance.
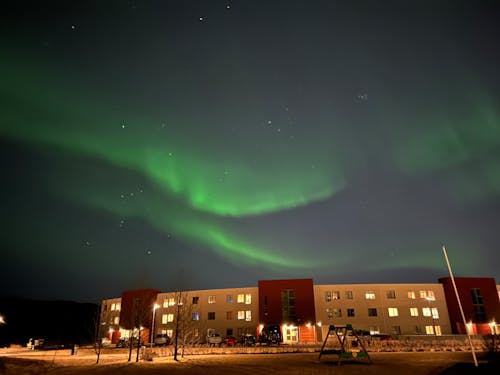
(210, 144)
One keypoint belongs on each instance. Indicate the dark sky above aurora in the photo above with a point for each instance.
(210, 144)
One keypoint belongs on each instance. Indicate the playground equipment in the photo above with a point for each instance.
(345, 343)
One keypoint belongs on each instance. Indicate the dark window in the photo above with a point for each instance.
(478, 305)
(195, 300)
(391, 294)
(396, 330)
(211, 316)
(350, 312)
(348, 294)
(288, 305)
(372, 312)
(229, 332)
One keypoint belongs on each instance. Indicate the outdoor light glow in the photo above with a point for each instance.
(319, 324)
(2, 321)
(493, 327)
(308, 325)
(156, 306)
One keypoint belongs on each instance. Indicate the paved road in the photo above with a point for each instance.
(253, 364)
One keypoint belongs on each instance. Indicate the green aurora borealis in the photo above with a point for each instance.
(298, 166)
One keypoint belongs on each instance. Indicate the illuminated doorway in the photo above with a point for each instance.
(290, 334)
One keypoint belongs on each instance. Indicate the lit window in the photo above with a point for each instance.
(170, 332)
(426, 311)
(329, 314)
(328, 296)
(413, 311)
(429, 330)
(411, 294)
(211, 299)
(350, 312)
(336, 295)
(348, 294)
(438, 330)
(229, 298)
(229, 315)
(248, 299)
(372, 312)
(435, 313)
(117, 320)
(211, 316)
(241, 315)
(370, 294)
(167, 318)
(374, 330)
(393, 311)
(337, 313)
(118, 306)
(169, 302)
(196, 316)
(396, 330)
(428, 294)
(391, 294)
(113, 307)
(248, 316)
(241, 298)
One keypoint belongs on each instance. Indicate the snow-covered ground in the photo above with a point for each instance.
(63, 363)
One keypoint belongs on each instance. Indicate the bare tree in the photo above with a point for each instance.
(97, 342)
(185, 324)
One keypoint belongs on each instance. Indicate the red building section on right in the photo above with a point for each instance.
(480, 303)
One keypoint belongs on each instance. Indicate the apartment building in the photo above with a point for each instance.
(228, 312)
(398, 309)
(304, 311)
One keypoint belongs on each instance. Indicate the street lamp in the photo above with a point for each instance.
(153, 324)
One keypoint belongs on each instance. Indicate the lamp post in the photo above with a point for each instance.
(153, 325)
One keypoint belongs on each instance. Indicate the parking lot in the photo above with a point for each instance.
(62, 363)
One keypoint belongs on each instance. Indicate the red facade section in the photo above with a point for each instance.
(271, 309)
(137, 308)
(467, 287)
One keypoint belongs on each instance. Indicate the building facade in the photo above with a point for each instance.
(396, 309)
(303, 311)
(479, 298)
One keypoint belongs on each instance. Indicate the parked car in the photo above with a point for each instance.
(125, 342)
(248, 340)
(162, 339)
(230, 341)
(214, 339)
(270, 335)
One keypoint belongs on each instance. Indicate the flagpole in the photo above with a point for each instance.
(460, 306)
